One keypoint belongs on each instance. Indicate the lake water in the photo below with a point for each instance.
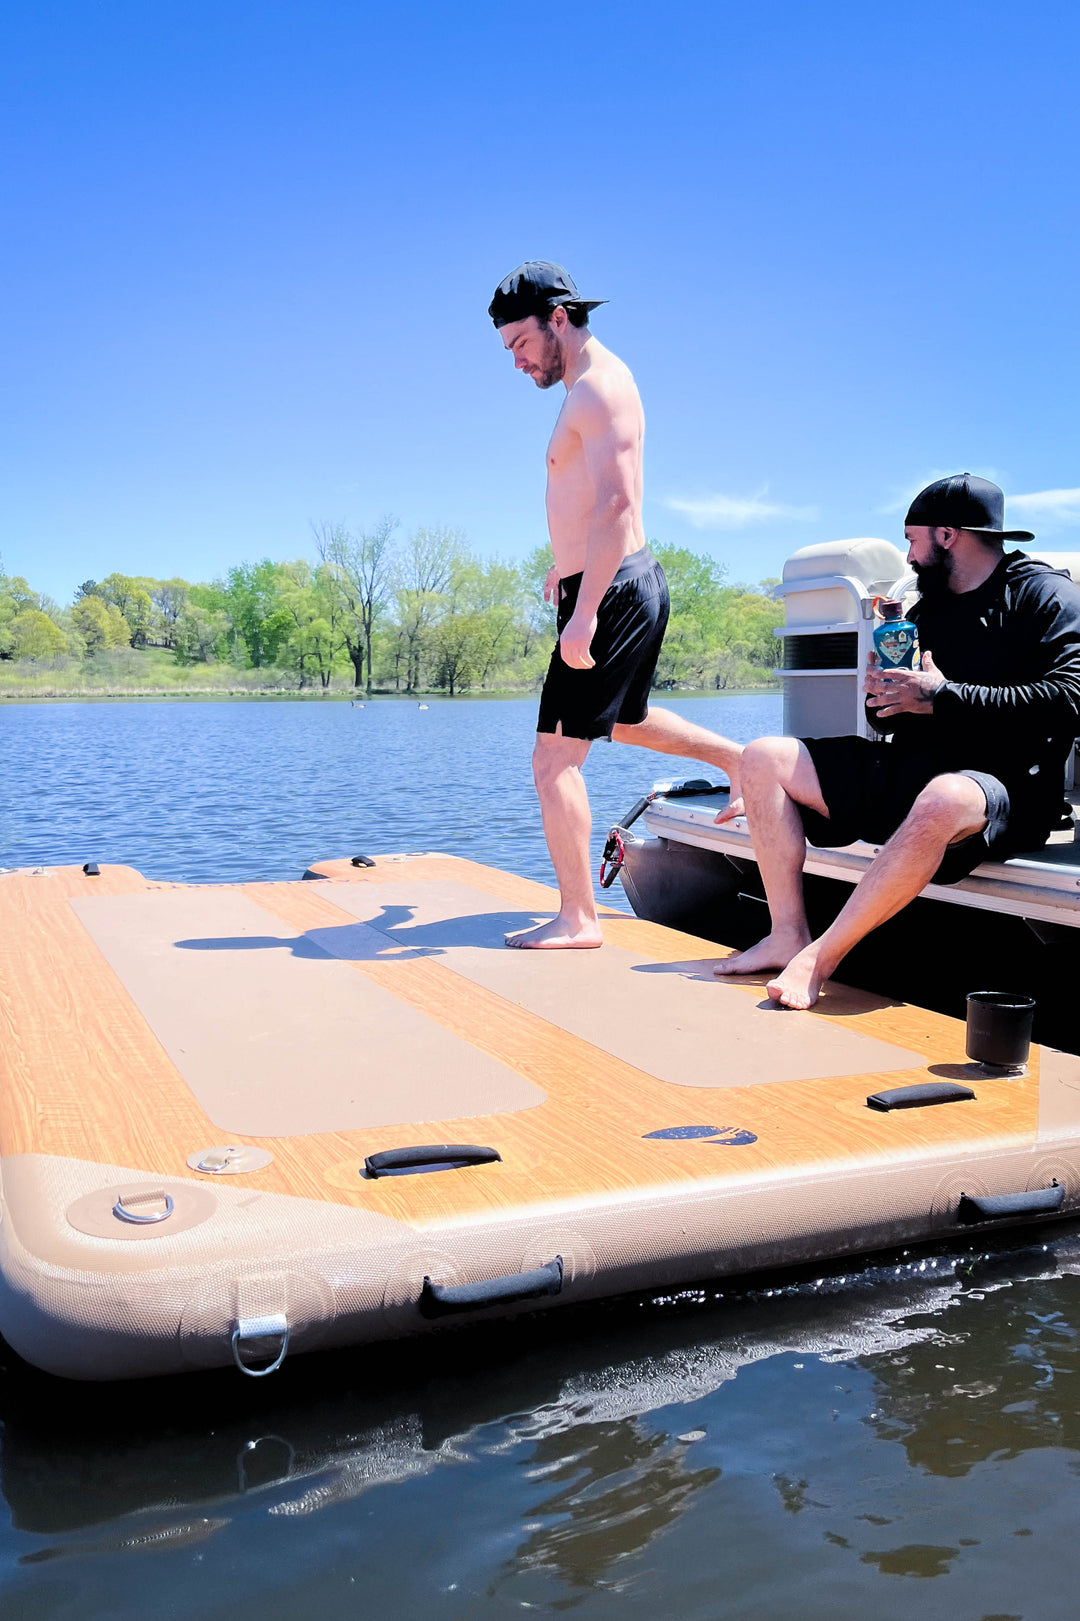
(895, 1439)
(206, 791)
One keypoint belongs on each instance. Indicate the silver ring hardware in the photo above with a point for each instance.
(123, 1211)
(260, 1328)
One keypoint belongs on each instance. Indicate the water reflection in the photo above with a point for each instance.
(989, 1387)
(586, 1454)
(618, 1486)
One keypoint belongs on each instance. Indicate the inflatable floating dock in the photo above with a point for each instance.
(244, 1121)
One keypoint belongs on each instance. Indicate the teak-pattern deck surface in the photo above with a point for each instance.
(83, 1075)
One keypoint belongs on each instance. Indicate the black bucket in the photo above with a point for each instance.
(999, 1028)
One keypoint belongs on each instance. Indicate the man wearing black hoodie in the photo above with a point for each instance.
(980, 735)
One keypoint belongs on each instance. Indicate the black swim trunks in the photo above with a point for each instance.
(870, 787)
(630, 625)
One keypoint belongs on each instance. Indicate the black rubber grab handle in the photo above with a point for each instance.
(439, 1300)
(692, 788)
(917, 1097)
(997, 1206)
(427, 1157)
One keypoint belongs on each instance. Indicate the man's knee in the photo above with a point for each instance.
(773, 760)
(553, 753)
(952, 805)
(781, 762)
(767, 756)
(545, 756)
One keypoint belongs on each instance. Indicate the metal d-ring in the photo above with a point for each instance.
(121, 1211)
(260, 1328)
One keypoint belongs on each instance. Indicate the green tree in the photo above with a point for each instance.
(131, 597)
(259, 622)
(497, 597)
(458, 641)
(360, 569)
(423, 568)
(36, 635)
(538, 619)
(101, 625)
(201, 634)
(747, 624)
(695, 583)
(15, 596)
(310, 598)
(698, 595)
(169, 599)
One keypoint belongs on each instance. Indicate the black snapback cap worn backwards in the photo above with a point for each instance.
(535, 288)
(964, 502)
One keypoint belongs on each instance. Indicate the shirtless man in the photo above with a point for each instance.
(609, 590)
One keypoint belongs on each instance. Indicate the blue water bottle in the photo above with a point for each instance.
(896, 639)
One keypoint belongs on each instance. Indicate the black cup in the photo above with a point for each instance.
(999, 1028)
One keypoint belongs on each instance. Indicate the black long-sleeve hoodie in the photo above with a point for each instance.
(1010, 706)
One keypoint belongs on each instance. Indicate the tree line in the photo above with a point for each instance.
(379, 611)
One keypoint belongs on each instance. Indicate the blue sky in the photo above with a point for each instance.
(249, 250)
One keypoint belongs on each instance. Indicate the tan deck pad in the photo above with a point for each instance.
(673, 1020)
(274, 1036)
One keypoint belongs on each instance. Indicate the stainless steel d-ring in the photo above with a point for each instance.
(120, 1210)
(260, 1328)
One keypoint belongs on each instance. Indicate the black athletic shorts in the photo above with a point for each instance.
(870, 787)
(630, 625)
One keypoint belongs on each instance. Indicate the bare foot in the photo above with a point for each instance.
(733, 808)
(800, 982)
(558, 935)
(775, 951)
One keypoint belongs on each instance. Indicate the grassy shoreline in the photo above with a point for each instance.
(276, 694)
(153, 673)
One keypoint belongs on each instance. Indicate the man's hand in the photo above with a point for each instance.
(575, 641)
(551, 585)
(902, 692)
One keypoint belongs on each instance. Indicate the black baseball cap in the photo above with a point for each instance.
(964, 502)
(535, 288)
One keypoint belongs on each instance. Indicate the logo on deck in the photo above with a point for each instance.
(719, 1136)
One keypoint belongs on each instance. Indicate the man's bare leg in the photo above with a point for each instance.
(564, 805)
(669, 733)
(949, 808)
(777, 777)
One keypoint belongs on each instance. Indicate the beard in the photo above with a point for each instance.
(934, 576)
(551, 365)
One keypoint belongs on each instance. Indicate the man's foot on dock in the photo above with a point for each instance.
(775, 951)
(558, 935)
(799, 985)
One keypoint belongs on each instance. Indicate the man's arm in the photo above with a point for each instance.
(609, 432)
(1053, 699)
